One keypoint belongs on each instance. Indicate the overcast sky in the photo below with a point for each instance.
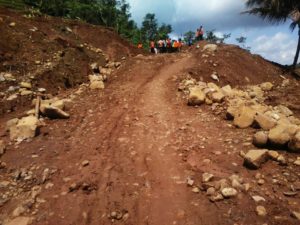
(275, 43)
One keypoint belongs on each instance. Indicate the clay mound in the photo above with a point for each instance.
(234, 66)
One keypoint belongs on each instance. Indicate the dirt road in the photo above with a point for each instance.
(140, 143)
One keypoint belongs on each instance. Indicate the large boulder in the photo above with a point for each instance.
(196, 96)
(282, 133)
(244, 117)
(27, 127)
(265, 122)
(255, 158)
(294, 144)
(210, 48)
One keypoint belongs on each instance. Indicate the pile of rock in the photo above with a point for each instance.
(100, 74)
(247, 108)
(218, 190)
(28, 126)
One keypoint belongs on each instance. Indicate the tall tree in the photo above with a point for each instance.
(189, 36)
(163, 31)
(149, 27)
(278, 11)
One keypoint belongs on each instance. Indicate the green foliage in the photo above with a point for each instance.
(189, 36)
(278, 11)
(210, 36)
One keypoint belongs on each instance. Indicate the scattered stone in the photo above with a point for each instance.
(12, 24)
(260, 139)
(206, 177)
(290, 193)
(196, 190)
(257, 198)
(26, 85)
(261, 211)
(190, 182)
(255, 158)
(116, 215)
(215, 77)
(229, 192)
(85, 163)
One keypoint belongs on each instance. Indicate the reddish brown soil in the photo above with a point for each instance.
(143, 142)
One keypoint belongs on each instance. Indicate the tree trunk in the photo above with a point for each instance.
(298, 49)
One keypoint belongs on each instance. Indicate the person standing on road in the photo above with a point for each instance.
(201, 33)
(152, 47)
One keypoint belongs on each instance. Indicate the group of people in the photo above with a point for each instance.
(169, 46)
(164, 46)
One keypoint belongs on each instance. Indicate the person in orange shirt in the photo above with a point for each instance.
(140, 45)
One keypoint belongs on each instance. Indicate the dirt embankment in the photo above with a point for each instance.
(52, 53)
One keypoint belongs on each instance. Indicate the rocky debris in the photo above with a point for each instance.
(261, 211)
(2, 147)
(26, 127)
(210, 48)
(247, 108)
(255, 158)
